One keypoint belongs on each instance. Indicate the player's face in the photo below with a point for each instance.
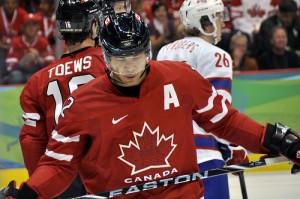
(128, 70)
(220, 25)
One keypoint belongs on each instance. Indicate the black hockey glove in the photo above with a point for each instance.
(11, 192)
(280, 139)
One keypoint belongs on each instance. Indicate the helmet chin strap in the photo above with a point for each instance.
(215, 37)
(212, 34)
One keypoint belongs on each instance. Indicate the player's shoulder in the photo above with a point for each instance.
(208, 50)
(86, 98)
(94, 87)
(173, 69)
(93, 51)
(169, 65)
(82, 52)
(41, 77)
(174, 72)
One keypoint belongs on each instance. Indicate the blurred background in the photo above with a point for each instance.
(264, 91)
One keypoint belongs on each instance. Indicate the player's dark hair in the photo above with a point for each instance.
(73, 38)
(204, 21)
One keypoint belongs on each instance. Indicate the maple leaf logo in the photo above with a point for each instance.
(256, 10)
(149, 150)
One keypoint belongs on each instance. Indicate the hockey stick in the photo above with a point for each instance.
(243, 184)
(186, 178)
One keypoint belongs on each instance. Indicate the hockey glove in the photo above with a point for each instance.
(10, 191)
(280, 139)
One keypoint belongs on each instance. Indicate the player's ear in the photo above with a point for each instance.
(94, 29)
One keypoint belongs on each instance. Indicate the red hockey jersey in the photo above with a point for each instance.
(43, 96)
(120, 141)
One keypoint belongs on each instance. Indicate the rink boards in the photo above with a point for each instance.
(271, 96)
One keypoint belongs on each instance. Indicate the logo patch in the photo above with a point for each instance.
(148, 150)
(118, 120)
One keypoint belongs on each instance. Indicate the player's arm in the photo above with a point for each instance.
(33, 136)
(215, 114)
(58, 167)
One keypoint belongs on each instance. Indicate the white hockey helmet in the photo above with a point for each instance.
(191, 12)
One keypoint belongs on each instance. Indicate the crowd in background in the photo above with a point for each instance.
(261, 34)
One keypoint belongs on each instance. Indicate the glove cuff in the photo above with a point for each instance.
(27, 192)
(270, 141)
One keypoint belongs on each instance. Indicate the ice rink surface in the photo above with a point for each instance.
(267, 185)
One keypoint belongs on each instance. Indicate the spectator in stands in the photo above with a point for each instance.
(288, 19)
(30, 6)
(28, 53)
(11, 18)
(46, 17)
(298, 6)
(279, 56)
(247, 17)
(138, 7)
(147, 10)
(173, 9)
(239, 53)
(162, 28)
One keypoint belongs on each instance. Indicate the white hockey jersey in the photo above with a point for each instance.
(214, 64)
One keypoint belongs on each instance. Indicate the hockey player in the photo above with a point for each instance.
(133, 125)
(203, 28)
(44, 94)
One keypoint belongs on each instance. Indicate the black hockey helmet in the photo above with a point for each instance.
(77, 16)
(125, 34)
